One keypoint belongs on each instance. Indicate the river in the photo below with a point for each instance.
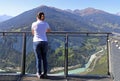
(80, 70)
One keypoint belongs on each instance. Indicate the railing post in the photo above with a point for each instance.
(66, 56)
(23, 54)
(108, 53)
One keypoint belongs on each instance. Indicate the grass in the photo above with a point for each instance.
(101, 66)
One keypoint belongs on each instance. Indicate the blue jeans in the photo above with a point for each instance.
(40, 50)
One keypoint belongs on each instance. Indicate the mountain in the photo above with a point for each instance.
(100, 19)
(89, 19)
(88, 11)
(59, 20)
(4, 17)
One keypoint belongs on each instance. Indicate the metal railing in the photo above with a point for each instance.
(67, 37)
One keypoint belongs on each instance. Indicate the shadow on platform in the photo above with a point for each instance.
(69, 78)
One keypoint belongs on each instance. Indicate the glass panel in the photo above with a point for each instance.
(55, 55)
(30, 57)
(87, 55)
(10, 53)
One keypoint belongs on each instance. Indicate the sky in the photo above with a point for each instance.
(16, 7)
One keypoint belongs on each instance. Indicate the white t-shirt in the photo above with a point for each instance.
(40, 28)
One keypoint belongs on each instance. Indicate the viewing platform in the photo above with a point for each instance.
(72, 56)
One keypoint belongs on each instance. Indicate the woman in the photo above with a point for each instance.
(40, 44)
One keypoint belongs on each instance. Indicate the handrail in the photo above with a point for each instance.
(64, 32)
(61, 32)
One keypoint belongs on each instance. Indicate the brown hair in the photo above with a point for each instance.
(39, 15)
